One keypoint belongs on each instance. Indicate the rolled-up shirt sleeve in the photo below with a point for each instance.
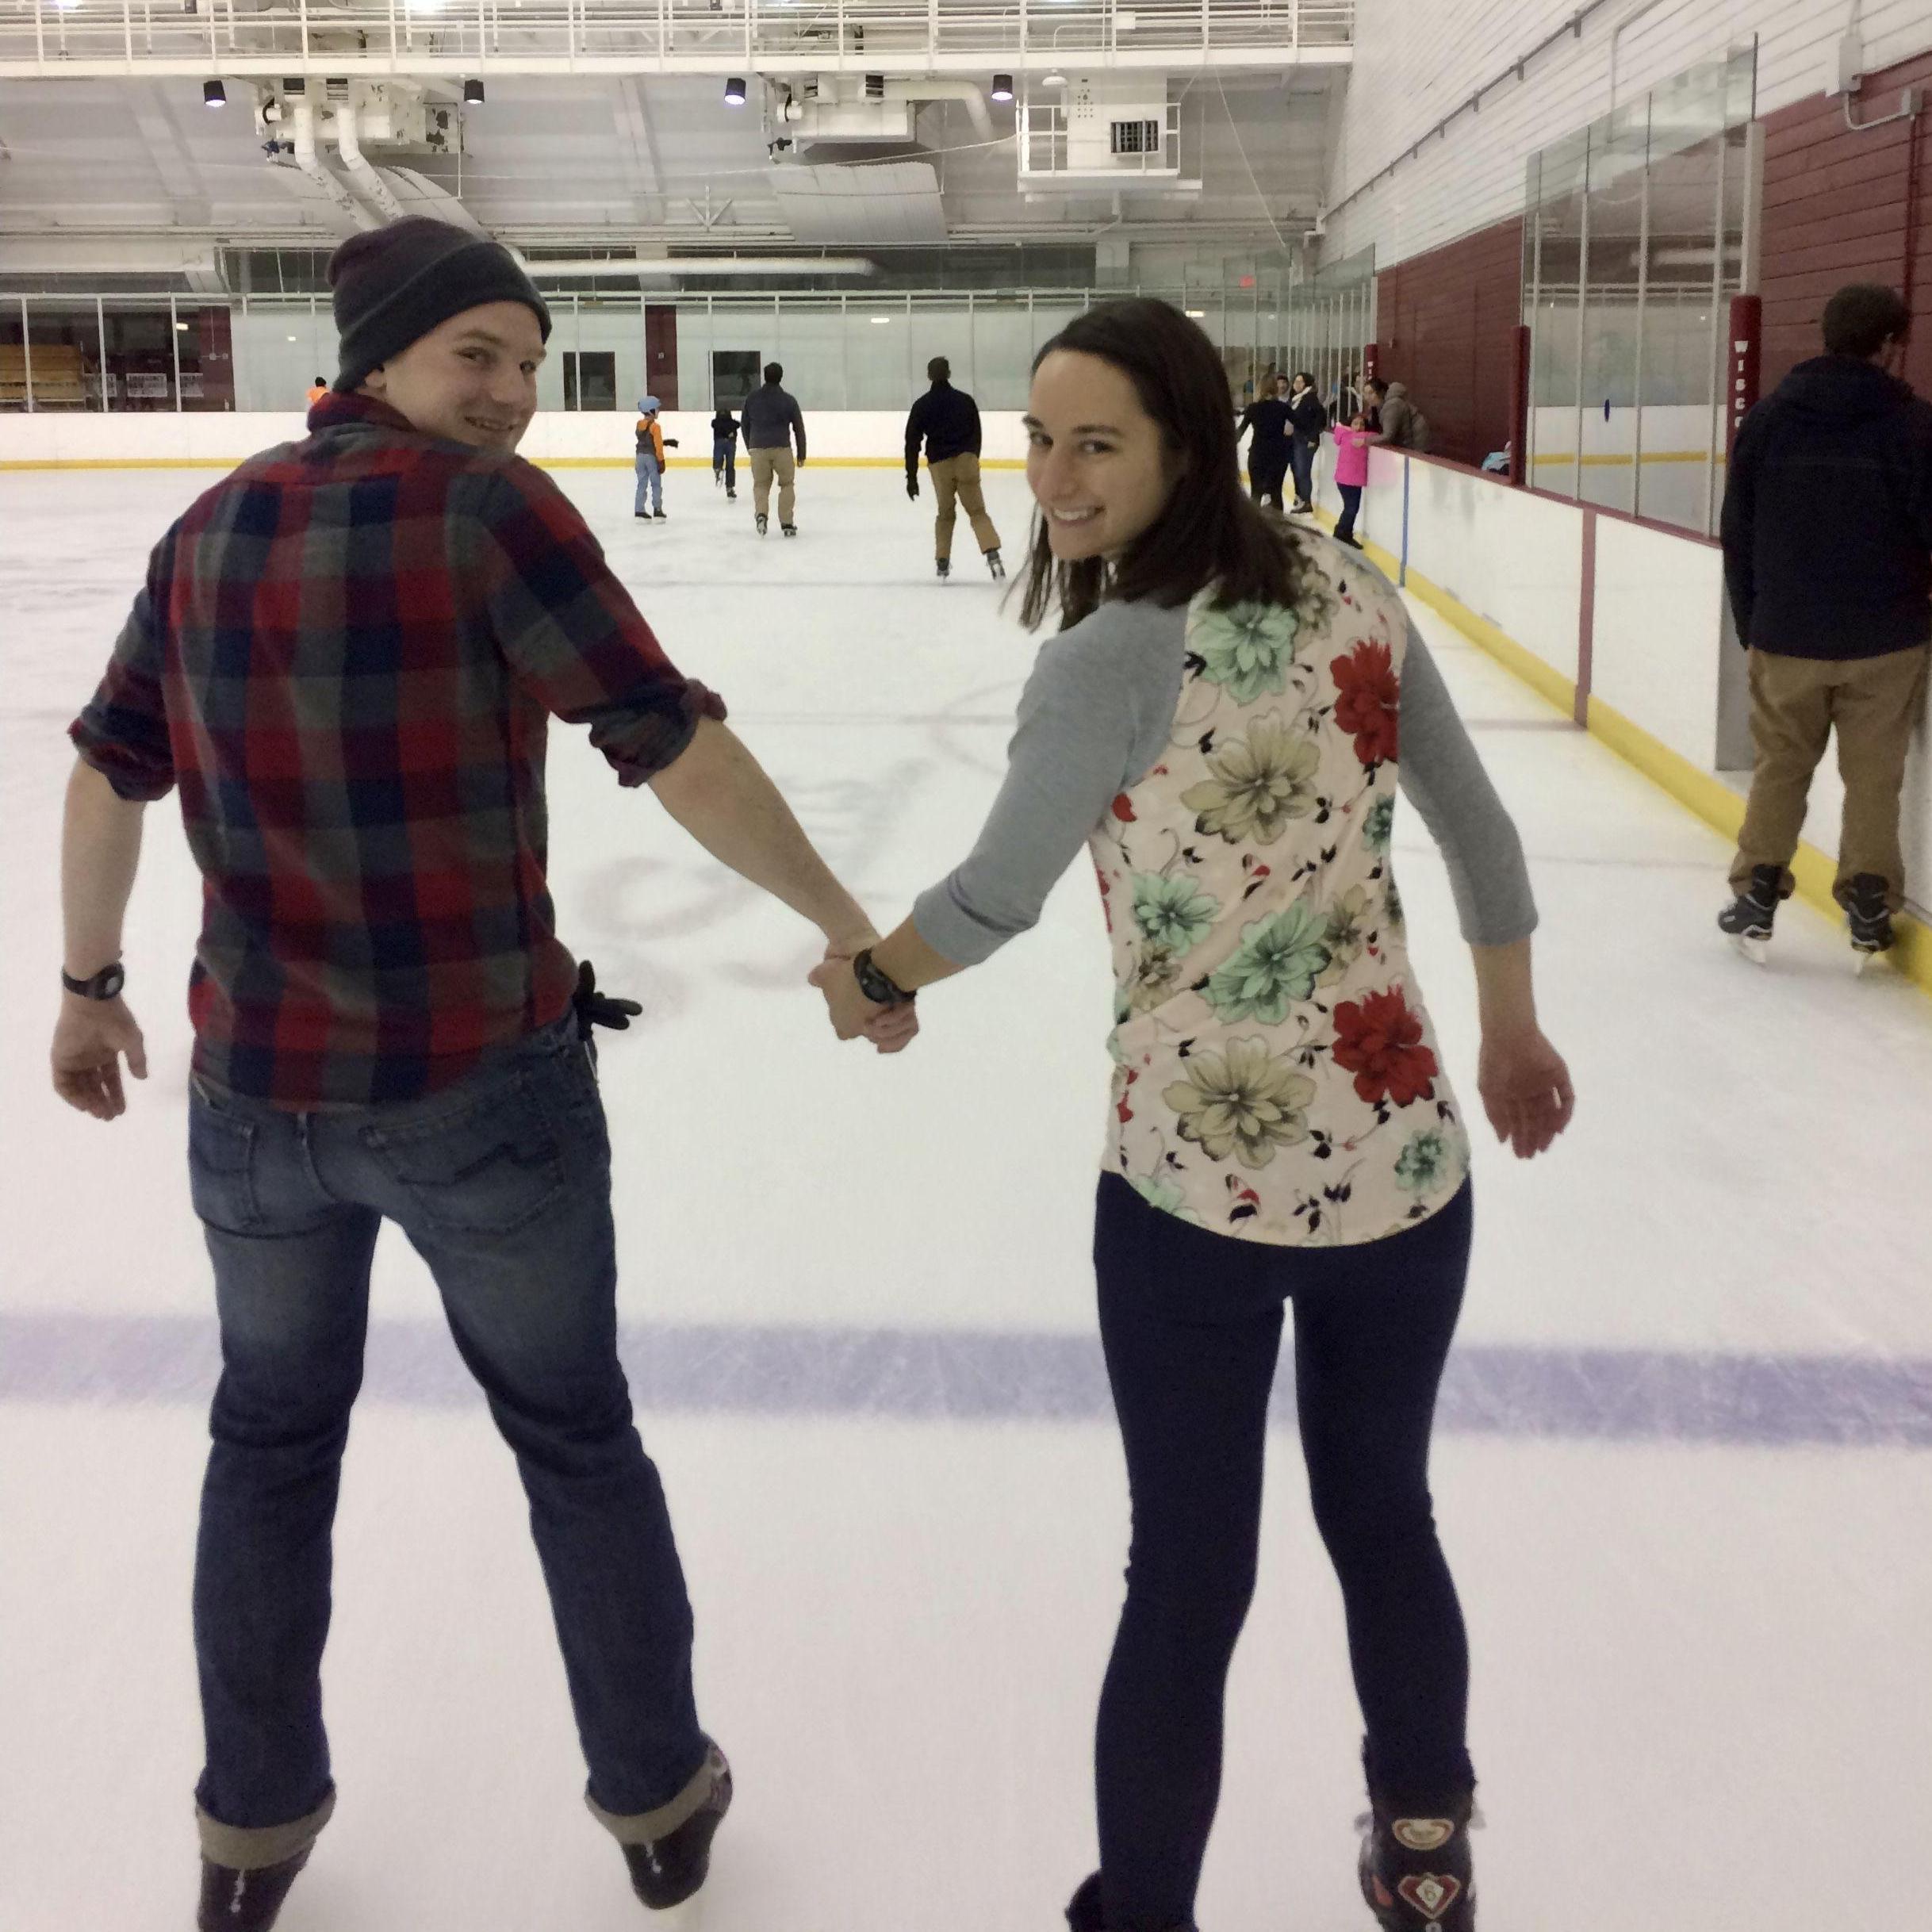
(1443, 778)
(123, 734)
(1090, 719)
(572, 634)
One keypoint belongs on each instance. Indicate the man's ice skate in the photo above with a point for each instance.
(998, 569)
(790, 530)
(233, 1900)
(1869, 911)
(760, 523)
(1415, 1868)
(1748, 917)
(943, 568)
(666, 1870)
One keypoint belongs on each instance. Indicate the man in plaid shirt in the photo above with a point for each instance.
(345, 657)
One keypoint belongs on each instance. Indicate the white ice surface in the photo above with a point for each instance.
(1701, 1696)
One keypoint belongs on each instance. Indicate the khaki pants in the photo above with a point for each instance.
(1876, 703)
(765, 464)
(957, 480)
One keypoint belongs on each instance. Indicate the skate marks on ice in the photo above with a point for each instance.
(775, 1369)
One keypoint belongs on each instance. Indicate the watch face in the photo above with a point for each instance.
(112, 981)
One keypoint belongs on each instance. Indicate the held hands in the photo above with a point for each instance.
(90, 1038)
(1525, 1089)
(891, 1030)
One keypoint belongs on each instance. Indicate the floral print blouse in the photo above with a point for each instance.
(1276, 1077)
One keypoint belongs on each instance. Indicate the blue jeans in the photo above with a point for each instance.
(650, 482)
(502, 1184)
(1302, 454)
(1191, 1322)
(724, 458)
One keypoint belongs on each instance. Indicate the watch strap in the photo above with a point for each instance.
(105, 984)
(876, 984)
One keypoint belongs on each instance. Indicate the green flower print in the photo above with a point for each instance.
(1392, 906)
(1244, 1103)
(1259, 783)
(1379, 823)
(1159, 1192)
(1278, 962)
(1175, 914)
(1424, 1162)
(1350, 924)
(1246, 649)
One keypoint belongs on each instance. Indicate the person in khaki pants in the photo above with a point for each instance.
(946, 421)
(1827, 537)
(771, 422)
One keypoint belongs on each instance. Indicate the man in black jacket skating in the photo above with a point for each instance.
(947, 420)
(1828, 536)
(1271, 417)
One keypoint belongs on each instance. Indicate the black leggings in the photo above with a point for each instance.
(1191, 1322)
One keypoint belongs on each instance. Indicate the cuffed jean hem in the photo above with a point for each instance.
(242, 1848)
(646, 1827)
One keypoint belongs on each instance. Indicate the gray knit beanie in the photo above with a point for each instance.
(393, 285)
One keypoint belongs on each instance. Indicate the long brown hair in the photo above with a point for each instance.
(1210, 533)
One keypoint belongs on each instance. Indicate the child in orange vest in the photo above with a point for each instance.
(652, 443)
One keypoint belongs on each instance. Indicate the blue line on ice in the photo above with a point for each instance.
(1622, 1395)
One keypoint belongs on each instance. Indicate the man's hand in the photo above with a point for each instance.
(1525, 1089)
(90, 1038)
(891, 1029)
(912, 488)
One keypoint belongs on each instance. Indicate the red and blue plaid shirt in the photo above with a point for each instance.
(345, 655)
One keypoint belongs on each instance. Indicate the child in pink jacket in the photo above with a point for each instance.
(1352, 449)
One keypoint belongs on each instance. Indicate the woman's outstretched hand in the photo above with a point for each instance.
(1525, 1089)
(891, 1030)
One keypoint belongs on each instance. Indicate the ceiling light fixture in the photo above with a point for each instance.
(1052, 77)
(1002, 86)
(734, 92)
(1197, 315)
(473, 94)
(880, 321)
(214, 94)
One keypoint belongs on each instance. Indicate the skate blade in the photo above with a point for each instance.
(1865, 958)
(1757, 951)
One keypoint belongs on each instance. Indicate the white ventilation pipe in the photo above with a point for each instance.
(373, 187)
(310, 162)
(904, 93)
(965, 90)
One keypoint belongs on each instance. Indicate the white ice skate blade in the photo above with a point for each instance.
(1757, 951)
(1862, 961)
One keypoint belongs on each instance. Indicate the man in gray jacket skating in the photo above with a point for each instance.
(771, 420)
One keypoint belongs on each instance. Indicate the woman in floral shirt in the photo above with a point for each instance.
(1219, 723)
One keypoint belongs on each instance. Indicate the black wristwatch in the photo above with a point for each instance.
(105, 984)
(879, 987)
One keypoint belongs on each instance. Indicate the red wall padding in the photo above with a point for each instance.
(1444, 322)
(1834, 211)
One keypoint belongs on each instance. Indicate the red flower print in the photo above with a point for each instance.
(1123, 805)
(1370, 702)
(1379, 1041)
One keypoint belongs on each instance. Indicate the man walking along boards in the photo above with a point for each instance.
(947, 421)
(345, 656)
(770, 421)
(1828, 536)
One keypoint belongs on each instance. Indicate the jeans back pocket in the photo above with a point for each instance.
(221, 1150)
(490, 1165)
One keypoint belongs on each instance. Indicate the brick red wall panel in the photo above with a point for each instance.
(1835, 211)
(1444, 321)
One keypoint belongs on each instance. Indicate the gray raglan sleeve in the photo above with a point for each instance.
(1092, 719)
(1441, 776)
